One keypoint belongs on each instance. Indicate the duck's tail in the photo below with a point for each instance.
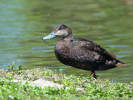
(120, 63)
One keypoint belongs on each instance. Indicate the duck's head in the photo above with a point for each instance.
(60, 31)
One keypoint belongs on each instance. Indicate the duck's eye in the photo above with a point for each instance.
(60, 28)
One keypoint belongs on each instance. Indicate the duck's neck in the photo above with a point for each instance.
(70, 37)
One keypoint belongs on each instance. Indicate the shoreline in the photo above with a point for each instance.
(59, 85)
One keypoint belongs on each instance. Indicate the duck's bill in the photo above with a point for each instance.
(50, 36)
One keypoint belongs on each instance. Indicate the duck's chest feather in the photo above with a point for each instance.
(76, 54)
(63, 48)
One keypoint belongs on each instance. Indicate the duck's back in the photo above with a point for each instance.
(84, 54)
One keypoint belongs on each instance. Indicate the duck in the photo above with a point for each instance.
(81, 53)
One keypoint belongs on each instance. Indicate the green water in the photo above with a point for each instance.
(23, 23)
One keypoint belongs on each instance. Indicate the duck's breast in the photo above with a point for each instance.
(62, 49)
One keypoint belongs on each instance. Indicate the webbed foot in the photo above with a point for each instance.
(93, 75)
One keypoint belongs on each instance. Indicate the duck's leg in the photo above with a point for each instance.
(93, 74)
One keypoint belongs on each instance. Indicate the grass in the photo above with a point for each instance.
(89, 88)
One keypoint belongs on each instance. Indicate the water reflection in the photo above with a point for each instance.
(106, 22)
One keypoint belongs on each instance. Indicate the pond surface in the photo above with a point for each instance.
(23, 24)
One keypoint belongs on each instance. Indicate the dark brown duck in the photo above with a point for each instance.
(81, 53)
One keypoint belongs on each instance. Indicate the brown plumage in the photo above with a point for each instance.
(82, 53)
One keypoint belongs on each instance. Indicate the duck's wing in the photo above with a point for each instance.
(97, 48)
(92, 46)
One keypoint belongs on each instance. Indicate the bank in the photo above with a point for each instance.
(42, 84)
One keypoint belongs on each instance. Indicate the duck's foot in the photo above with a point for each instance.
(93, 75)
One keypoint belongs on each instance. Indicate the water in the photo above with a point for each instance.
(23, 24)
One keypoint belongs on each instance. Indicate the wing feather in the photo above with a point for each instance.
(96, 48)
